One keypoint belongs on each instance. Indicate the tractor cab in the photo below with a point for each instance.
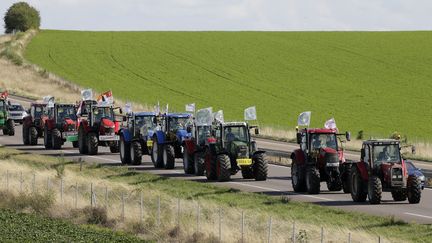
(234, 138)
(38, 111)
(175, 125)
(142, 123)
(64, 115)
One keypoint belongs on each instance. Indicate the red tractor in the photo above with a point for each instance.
(195, 148)
(60, 126)
(34, 124)
(382, 168)
(97, 126)
(319, 158)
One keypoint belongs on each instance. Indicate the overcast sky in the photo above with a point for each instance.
(232, 14)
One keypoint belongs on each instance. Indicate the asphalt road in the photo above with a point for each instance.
(278, 182)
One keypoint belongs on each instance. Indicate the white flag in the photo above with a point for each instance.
(87, 94)
(330, 124)
(128, 108)
(204, 117)
(304, 119)
(190, 107)
(219, 116)
(48, 99)
(157, 108)
(166, 109)
(250, 113)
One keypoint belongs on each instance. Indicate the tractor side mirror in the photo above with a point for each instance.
(299, 138)
(257, 131)
(348, 136)
(362, 152)
(413, 149)
(124, 118)
(121, 110)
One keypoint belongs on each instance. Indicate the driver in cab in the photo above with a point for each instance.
(230, 136)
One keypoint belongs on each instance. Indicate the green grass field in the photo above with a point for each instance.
(378, 82)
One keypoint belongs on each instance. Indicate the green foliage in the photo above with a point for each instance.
(35, 202)
(21, 17)
(360, 135)
(372, 80)
(20, 227)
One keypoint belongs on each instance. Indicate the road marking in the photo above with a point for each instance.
(419, 215)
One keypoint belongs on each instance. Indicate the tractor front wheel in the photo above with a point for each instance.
(169, 156)
(114, 147)
(334, 184)
(247, 172)
(25, 135)
(33, 133)
(298, 177)
(82, 142)
(357, 188)
(92, 143)
(313, 182)
(346, 179)
(10, 125)
(47, 138)
(223, 167)
(374, 190)
(260, 167)
(135, 153)
(199, 164)
(156, 154)
(56, 139)
(414, 190)
(399, 195)
(124, 151)
(188, 163)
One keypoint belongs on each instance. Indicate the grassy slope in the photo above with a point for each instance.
(373, 81)
(20, 227)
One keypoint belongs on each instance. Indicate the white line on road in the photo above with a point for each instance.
(419, 215)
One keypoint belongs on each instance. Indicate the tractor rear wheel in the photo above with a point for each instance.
(260, 167)
(357, 188)
(135, 153)
(346, 179)
(414, 189)
(199, 164)
(188, 163)
(47, 138)
(114, 147)
(223, 167)
(156, 154)
(10, 125)
(313, 181)
(33, 133)
(169, 156)
(334, 184)
(82, 141)
(399, 195)
(247, 172)
(210, 167)
(374, 190)
(56, 139)
(124, 151)
(298, 177)
(92, 143)
(25, 135)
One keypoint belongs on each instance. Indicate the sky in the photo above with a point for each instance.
(261, 15)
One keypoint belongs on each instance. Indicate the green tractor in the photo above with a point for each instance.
(6, 123)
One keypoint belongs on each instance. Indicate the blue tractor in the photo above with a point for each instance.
(172, 130)
(136, 137)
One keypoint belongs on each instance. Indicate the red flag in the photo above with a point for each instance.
(4, 95)
(106, 98)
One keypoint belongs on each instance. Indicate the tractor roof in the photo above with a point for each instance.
(145, 113)
(38, 104)
(381, 141)
(179, 115)
(234, 124)
(64, 104)
(319, 130)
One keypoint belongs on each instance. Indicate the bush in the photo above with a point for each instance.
(21, 17)
(360, 135)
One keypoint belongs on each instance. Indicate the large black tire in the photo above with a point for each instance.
(198, 164)
(399, 195)
(124, 151)
(374, 190)
(157, 154)
(33, 136)
(313, 181)
(188, 163)
(10, 125)
(47, 138)
(210, 168)
(260, 167)
(25, 135)
(92, 143)
(114, 147)
(298, 177)
(334, 184)
(414, 189)
(223, 167)
(357, 189)
(346, 179)
(75, 144)
(82, 141)
(56, 139)
(168, 156)
(247, 172)
(135, 153)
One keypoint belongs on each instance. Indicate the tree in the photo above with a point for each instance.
(21, 17)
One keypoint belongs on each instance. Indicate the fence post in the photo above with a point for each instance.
(141, 207)
(106, 197)
(293, 233)
(76, 195)
(61, 190)
(242, 227)
(34, 182)
(379, 239)
(220, 224)
(91, 194)
(198, 218)
(21, 182)
(7, 180)
(178, 213)
(48, 183)
(158, 210)
(349, 237)
(322, 234)
(269, 230)
(123, 207)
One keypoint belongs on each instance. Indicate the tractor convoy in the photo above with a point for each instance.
(216, 149)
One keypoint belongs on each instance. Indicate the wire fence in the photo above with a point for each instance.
(160, 215)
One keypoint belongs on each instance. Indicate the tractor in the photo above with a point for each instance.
(6, 123)
(135, 138)
(195, 147)
(60, 127)
(34, 124)
(168, 139)
(319, 158)
(233, 150)
(382, 168)
(97, 126)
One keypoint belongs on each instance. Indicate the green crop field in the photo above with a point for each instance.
(379, 82)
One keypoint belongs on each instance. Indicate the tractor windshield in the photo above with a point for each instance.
(236, 133)
(66, 112)
(37, 111)
(323, 140)
(103, 112)
(204, 132)
(386, 153)
(144, 122)
(177, 123)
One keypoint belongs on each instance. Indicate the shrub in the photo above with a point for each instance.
(21, 17)
(360, 135)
